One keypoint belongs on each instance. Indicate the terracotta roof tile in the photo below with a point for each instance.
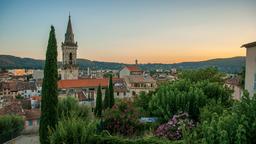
(133, 68)
(38, 98)
(13, 108)
(139, 79)
(63, 84)
(82, 83)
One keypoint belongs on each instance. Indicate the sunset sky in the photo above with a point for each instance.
(152, 31)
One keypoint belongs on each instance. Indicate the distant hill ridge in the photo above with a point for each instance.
(231, 65)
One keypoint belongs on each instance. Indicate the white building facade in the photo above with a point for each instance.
(250, 70)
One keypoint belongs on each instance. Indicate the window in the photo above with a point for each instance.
(124, 93)
(30, 123)
(70, 58)
(117, 93)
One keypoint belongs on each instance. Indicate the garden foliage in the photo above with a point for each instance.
(173, 128)
(122, 119)
(10, 127)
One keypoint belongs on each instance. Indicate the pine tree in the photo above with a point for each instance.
(111, 92)
(98, 109)
(49, 102)
(106, 99)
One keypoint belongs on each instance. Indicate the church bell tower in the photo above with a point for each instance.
(69, 68)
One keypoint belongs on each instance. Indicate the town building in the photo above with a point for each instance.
(19, 88)
(38, 74)
(5, 76)
(32, 120)
(69, 68)
(130, 70)
(136, 80)
(250, 70)
(85, 90)
(139, 83)
(31, 116)
(18, 72)
(83, 85)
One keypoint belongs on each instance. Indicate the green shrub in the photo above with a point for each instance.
(217, 92)
(10, 127)
(72, 130)
(122, 119)
(211, 74)
(179, 96)
(142, 103)
(235, 125)
(70, 105)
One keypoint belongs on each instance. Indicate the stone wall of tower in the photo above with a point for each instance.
(69, 73)
(70, 69)
(66, 52)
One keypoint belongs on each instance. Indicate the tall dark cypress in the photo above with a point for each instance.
(106, 99)
(49, 101)
(98, 108)
(111, 92)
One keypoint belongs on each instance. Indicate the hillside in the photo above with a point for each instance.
(233, 64)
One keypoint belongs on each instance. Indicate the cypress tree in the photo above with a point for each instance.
(98, 109)
(49, 101)
(106, 99)
(111, 92)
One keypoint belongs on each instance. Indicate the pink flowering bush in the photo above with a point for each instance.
(173, 128)
(122, 119)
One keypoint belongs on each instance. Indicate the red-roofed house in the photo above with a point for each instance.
(85, 90)
(130, 70)
(136, 80)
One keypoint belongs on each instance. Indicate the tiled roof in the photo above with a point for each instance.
(62, 84)
(13, 108)
(4, 75)
(18, 85)
(249, 45)
(133, 68)
(16, 108)
(119, 85)
(139, 79)
(89, 83)
(38, 98)
(4, 85)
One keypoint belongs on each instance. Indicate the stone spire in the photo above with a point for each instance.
(69, 36)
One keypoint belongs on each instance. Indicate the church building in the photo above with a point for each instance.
(69, 69)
